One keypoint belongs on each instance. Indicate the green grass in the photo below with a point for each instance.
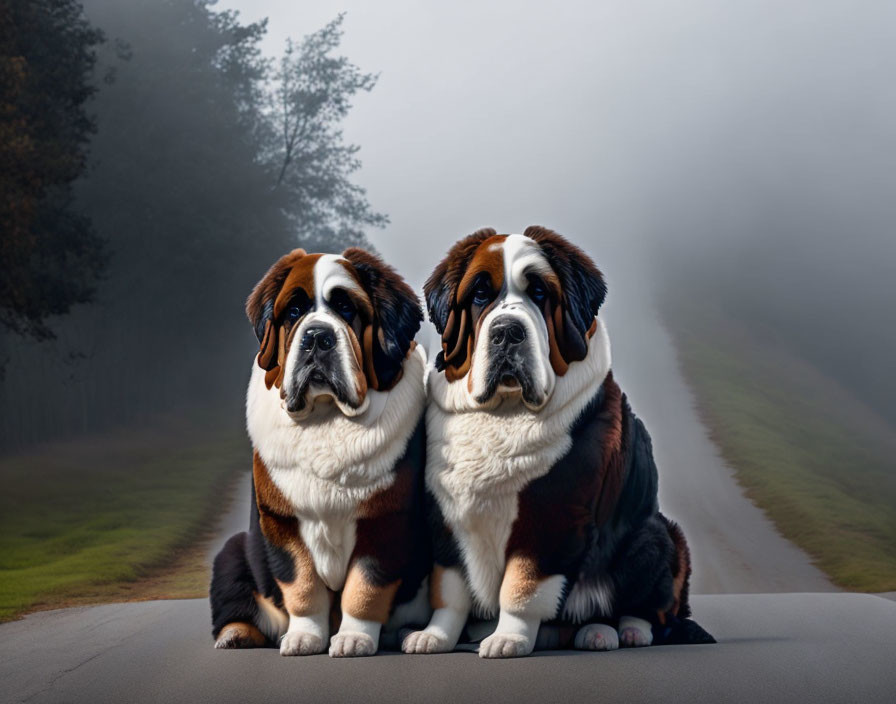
(808, 452)
(116, 517)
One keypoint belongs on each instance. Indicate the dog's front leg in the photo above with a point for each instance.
(527, 598)
(451, 602)
(366, 602)
(305, 596)
(307, 602)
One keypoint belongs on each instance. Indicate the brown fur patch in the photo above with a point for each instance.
(521, 580)
(681, 570)
(268, 497)
(365, 600)
(289, 273)
(240, 635)
(299, 276)
(558, 363)
(452, 320)
(394, 498)
(271, 283)
(488, 258)
(591, 330)
(306, 595)
(367, 355)
(613, 471)
(361, 378)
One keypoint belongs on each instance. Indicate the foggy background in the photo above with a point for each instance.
(740, 150)
(738, 153)
(728, 165)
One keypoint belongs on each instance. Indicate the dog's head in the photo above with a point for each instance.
(514, 311)
(332, 327)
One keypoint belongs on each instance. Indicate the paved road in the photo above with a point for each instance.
(773, 648)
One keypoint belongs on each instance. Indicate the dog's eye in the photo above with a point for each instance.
(482, 294)
(298, 306)
(296, 310)
(537, 292)
(342, 304)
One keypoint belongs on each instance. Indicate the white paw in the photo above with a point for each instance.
(351, 644)
(597, 636)
(634, 632)
(634, 637)
(505, 645)
(425, 642)
(301, 643)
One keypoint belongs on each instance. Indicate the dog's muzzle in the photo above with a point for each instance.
(510, 360)
(316, 365)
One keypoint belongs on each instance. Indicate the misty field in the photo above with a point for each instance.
(807, 450)
(114, 517)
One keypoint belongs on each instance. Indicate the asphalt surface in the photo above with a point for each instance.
(773, 648)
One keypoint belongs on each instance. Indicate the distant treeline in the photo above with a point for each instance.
(155, 164)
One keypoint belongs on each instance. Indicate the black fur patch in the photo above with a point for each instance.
(397, 312)
(232, 588)
(583, 285)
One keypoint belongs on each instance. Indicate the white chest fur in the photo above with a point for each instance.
(325, 467)
(479, 461)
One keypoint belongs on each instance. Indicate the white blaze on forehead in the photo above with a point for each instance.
(330, 273)
(522, 255)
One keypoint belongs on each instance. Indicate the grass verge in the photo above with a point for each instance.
(809, 453)
(116, 517)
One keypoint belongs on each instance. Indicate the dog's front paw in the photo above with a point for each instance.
(301, 643)
(634, 632)
(351, 644)
(424, 642)
(505, 645)
(597, 636)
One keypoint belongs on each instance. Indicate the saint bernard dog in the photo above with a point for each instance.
(542, 484)
(335, 414)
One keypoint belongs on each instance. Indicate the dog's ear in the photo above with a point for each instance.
(396, 318)
(260, 310)
(570, 320)
(452, 321)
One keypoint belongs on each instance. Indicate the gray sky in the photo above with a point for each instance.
(600, 119)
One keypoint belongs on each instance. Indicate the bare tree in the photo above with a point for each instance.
(311, 95)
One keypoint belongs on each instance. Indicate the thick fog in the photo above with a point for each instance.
(736, 153)
(604, 118)
(740, 149)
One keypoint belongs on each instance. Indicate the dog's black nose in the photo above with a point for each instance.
(507, 331)
(319, 338)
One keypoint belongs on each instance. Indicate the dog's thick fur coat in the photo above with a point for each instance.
(335, 414)
(542, 482)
